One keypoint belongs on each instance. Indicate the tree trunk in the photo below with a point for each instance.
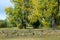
(53, 23)
(23, 24)
(36, 24)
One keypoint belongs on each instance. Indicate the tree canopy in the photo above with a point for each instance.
(34, 12)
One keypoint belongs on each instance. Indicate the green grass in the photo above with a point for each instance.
(13, 28)
(51, 37)
(33, 38)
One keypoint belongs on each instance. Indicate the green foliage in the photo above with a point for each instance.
(35, 12)
(18, 14)
(44, 10)
(58, 27)
(3, 24)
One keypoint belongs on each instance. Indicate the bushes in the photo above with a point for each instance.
(58, 27)
(3, 24)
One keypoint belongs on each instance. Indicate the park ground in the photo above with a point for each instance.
(33, 38)
(51, 37)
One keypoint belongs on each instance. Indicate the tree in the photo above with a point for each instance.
(19, 13)
(36, 12)
(45, 11)
(36, 15)
(51, 9)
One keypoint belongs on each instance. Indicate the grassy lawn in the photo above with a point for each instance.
(51, 37)
(13, 28)
(33, 38)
